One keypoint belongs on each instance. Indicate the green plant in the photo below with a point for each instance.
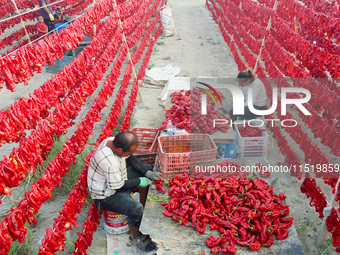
(150, 66)
(55, 148)
(156, 50)
(145, 107)
(324, 248)
(200, 37)
(201, 44)
(167, 58)
(160, 43)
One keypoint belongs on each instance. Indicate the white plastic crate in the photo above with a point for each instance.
(252, 146)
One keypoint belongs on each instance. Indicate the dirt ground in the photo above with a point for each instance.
(198, 49)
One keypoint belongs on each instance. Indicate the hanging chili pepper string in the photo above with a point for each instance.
(119, 102)
(132, 99)
(32, 29)
(77, 8)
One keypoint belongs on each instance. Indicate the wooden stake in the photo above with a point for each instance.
(128, 54)
(22, 23)
(296, 31)
(94, 28)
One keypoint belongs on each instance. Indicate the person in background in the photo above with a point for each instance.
(41, 26)
(110, 184)
(57, 13)
(47, 13)
(247, 79)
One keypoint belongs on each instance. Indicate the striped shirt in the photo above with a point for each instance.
(106, 173)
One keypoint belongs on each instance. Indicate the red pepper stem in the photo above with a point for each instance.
(233, 210)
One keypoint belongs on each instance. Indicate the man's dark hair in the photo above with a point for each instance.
(125, 140)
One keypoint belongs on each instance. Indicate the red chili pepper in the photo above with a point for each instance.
(215, 250)
(166, 213)
(212, 241)
(281, 234)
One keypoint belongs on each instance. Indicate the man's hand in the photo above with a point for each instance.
(144, 182)
(153, 176)
(51, 16)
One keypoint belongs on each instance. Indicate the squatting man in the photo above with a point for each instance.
(110, 183)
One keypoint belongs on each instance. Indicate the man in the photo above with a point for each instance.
(47, 13)
(110, 183)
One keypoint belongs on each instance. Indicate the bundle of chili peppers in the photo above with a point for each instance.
(318, 198)
(333, 226)
(246, 211)
(249, 131)
(185, 113)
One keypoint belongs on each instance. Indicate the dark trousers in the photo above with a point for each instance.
(121, 202)
(50, 24)
(248, 115)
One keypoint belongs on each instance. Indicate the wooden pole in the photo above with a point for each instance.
(296, 26)
(129, 55)
(22, 23)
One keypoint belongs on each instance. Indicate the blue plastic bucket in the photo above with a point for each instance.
(226, 150)
(60, 26)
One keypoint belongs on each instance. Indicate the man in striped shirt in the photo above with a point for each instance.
(110, 183)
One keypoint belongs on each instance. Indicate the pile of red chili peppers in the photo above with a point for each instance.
(185, 113)
(246, 211)
(249, 131)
